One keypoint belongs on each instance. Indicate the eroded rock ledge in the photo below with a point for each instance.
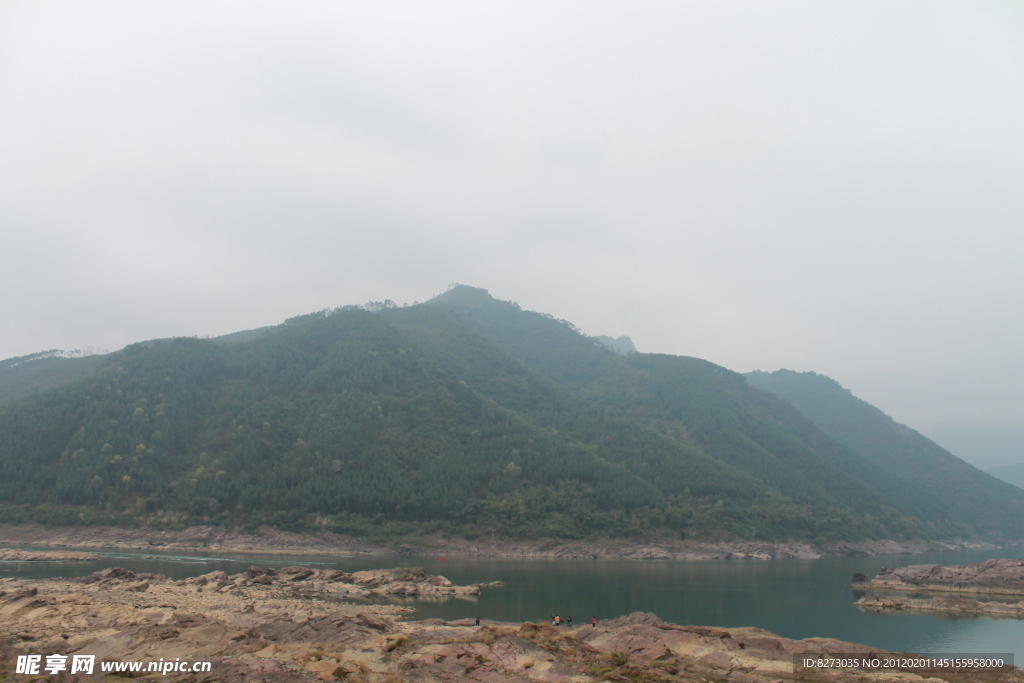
(259, 627)
(945, 603)
(993, 577)
(7, 555)
(306, 582)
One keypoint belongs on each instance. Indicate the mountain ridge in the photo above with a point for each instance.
(465, 415)
(894, 447)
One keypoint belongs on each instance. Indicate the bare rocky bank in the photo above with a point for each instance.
(944, 603)
(993, 577)
(271, 541)
(9, 555)
(275, 627)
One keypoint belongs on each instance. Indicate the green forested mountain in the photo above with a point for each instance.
(965, 491)
(462, 415)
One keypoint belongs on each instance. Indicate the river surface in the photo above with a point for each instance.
(792, 598)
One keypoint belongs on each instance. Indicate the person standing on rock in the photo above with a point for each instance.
(570, 621)
(593, 621)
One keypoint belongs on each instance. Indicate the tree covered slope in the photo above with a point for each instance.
(463, 415)
(966, 492)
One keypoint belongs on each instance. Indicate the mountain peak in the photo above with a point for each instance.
(621, 345)
(464, 295)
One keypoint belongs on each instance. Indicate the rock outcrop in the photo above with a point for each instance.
(300, 582)
(946, 603)
(996, 577)
(8, 555)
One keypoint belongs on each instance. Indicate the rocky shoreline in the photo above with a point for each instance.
(992, 577)
(8, 555)
(273, 542)
(276, 627)
(948, 603)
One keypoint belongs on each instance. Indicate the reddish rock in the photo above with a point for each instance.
(992, 576)
(719, 660)
(327, 671)
(946, 603)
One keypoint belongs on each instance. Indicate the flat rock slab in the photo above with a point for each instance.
(7, 555)
(1002, 576)
(946, 603)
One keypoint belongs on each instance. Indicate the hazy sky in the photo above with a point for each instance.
(828, 186)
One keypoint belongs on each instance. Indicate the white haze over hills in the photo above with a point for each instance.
(836, 187)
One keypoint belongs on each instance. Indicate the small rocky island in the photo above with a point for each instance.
(300, 624)
(993, 577)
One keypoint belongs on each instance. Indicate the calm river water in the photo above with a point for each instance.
(793, 598)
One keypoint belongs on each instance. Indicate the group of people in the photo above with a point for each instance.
(556, 621)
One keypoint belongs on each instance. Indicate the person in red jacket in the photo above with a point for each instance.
(593, 621)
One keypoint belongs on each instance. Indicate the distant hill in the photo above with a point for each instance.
(620, 345)
(967, 492)
(1013, 474)
(464, 415)
(24, 375)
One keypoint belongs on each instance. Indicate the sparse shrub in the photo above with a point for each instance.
(485, 635)
(619, 658)
(391, 645)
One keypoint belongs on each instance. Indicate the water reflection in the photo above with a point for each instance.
(936, 614)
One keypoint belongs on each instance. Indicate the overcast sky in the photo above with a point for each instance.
(828, 186)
